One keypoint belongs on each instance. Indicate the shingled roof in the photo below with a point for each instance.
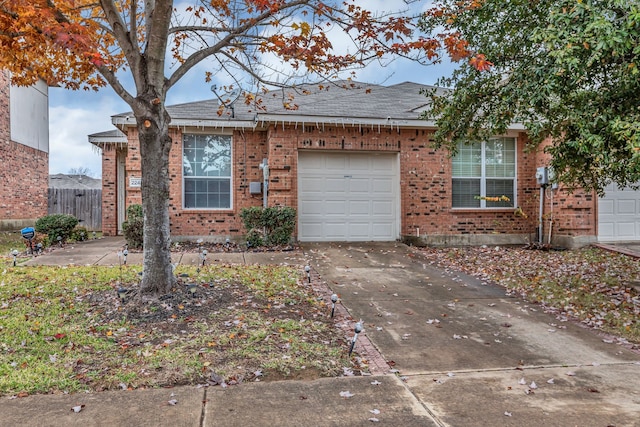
(338, 102)
(75, 182)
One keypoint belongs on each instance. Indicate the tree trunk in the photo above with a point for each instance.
(155, 144)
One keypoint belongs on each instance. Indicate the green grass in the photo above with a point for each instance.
(64, 329)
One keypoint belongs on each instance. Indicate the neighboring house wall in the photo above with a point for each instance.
(24, 150)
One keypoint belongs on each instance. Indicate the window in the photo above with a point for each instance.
(484, 169)
(206, 166)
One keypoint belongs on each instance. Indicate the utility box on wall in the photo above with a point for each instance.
(542, 175)
(255, 188)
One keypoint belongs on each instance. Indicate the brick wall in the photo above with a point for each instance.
(109, 190)
(24, 173)
(425, 180)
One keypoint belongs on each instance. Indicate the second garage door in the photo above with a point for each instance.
(619, 215)
(348, 197)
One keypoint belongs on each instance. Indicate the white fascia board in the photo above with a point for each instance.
(263, 120)
(293, 119)
(126, 121)
(390, 122)
(99, 139)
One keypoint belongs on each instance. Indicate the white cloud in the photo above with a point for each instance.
(69, 128)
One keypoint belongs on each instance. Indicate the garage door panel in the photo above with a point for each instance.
(359, 162)
(311, 208)
(359, 207)
(606, 207)
(359, 230)
(626, 229)
(355, 195)
(382, 185)
(381, 164)
(334, 207)
(626, 207)
(382, 208)
(314, 229)
(334, 230)
(381, 229)
(335, 163)
(358, 185)
(332, 185)
(312, 185)
(619, 215)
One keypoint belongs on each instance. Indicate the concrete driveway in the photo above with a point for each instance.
(472, 356)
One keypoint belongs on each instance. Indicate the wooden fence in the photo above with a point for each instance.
(86, 205)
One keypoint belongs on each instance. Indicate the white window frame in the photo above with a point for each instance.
(186, 177)
(483, 179)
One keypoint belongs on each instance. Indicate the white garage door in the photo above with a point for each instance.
(619, 215)
(348, 197)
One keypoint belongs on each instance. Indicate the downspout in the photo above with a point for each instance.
(265, 176)
(540, 217)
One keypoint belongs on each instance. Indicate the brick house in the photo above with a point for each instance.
(356, 164)
(24, 150)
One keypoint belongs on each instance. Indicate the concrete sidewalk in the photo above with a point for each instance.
(465, 355)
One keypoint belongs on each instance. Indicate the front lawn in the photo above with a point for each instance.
(64, 329)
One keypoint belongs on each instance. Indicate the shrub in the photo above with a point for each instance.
(133, 227)
(79, 234)
(56, 225)
(271, 226)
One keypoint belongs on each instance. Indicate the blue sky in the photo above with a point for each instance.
(73, 115)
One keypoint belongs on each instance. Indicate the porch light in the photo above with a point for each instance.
(15, 256)
(357, 329)
(203, 256)
(334, 300)
(59, 241)
(124, 256)
(307, 270)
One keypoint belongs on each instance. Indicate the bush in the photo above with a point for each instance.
(79, 234)
(269, 227)
(56, 225)
(133, 227)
